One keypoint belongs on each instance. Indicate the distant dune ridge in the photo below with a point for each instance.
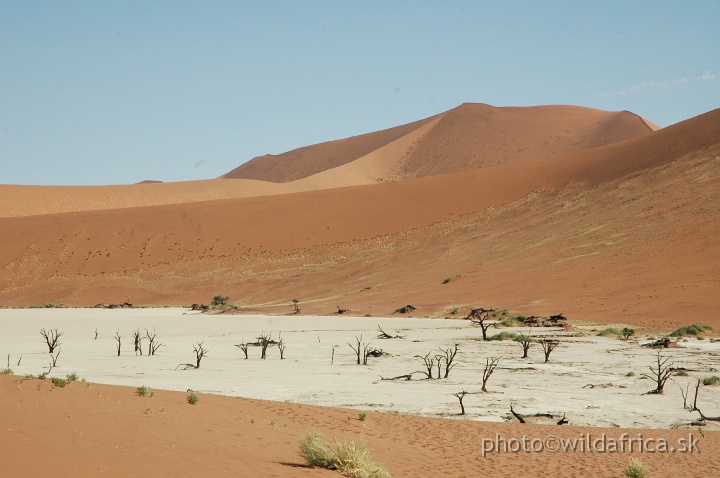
(546, 209)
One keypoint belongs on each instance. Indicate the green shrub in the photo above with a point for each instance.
(630, 374)
(504, 336)
(694, 329)
(6, 371)
(513, 321)
(43, 306)
(352, 459)
(142, 391)
(59, 382)
(72, 377)
(609, 331)
(711, 380)
(447, 280)
(192, 399)
(636, 469)
(362, 416)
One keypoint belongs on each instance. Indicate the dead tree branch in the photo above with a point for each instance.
(52, 338)
(661, 372)
(385, 335)
(490, 366)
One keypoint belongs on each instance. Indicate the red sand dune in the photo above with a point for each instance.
(623, 232)
(100, 430)
(468, 137)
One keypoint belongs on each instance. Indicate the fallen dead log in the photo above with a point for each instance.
(523, 418)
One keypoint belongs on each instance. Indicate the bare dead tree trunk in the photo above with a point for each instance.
(96, 334)
(264, 341)
(244, 347)
(357, 348)
(429, 363)
(438, 364)
(152, 345)
(524, 341)
(661, 372)
(137, 342)
(332, 356)
(490, 365)
(694, 407)
(54, 359)
(200, 353)
(460, 396)
(52, 338)
(119, 341)
(548, 346)
(480, 317)
(449, 356)
(281, 348)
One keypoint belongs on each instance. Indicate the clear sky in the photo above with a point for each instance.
(114, 92)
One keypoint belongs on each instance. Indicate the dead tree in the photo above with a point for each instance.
(361, 350)
(118, 340)
(449, 356)
(296, 307)
(407, 376)
(460, 396)
(490, 366)
(52, 338)
(264, 341)
(524, 341)
(244, 347)
(200, 352)
(96, 334)
(438, 364)
(523, 418)
(385, 335)
(548, 346)
(137, 342)
(661, 372)
(281, 348)
(429, 363)
(54, 359)
(152, 345)
(694, 406)
(480, 317)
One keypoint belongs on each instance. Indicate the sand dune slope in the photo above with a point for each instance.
(626, 231)
(101, 430)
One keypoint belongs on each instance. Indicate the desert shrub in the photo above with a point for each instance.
(142, 391)
(192, 399)
(512, 321)
(636, 469)
(504, 336)
(681, 373)
(6, 371)
(220, 300)
(711, 380)
(694, 329)
(352, 459)
(72, 377)
(447, 280)
(609, 331)
(43, 306)
(59, 382)
(362, 416)
(630, 374)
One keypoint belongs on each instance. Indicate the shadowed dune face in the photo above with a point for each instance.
(625, 232)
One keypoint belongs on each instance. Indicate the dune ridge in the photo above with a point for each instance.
(470, 136)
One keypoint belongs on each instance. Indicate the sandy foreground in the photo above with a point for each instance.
(413, 427)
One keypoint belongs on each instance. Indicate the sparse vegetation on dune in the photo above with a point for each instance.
(350, 458)
(694, 329)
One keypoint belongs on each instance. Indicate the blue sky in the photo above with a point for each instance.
(114, 92)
